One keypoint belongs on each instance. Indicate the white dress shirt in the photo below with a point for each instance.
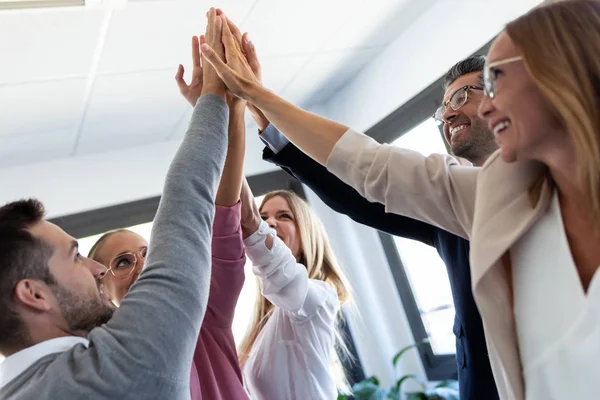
(558, 324)
(15, 364)
(291, 356)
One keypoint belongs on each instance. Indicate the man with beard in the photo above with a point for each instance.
(469, 138)
(56, 328)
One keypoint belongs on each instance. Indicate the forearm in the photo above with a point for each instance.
(314, 135)
(158, 323)
(233, 171)
(228, 260)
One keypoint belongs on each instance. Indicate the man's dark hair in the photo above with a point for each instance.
(464, 67)
(22, 256)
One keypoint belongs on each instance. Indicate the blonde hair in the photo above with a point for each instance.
(560, 43)
(316, 254)
(93, 253)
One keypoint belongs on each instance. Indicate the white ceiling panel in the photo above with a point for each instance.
(117, 135)
(39, 107)
(38, 44)
(374, 25)
(279, 27)
(141, 104)
(153, 34)
(326, 73)
(182, 124)
(278, 72)
(33, 148)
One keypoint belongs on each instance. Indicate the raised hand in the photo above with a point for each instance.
(252, 59)
(193, 91)
(213, 37)
(235, 71)
(250, 214)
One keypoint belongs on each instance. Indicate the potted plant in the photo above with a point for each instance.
(370, 389)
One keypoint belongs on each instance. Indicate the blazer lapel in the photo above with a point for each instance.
(502, 215)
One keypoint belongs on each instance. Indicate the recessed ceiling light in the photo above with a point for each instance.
(21, 4)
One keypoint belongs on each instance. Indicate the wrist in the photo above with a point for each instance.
(217, 89)
(257, 95)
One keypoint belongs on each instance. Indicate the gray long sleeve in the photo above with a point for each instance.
(146, 350)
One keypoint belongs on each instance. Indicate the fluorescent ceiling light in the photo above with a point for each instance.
(20, 4)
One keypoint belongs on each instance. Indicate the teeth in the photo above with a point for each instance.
(457, 129)
(501, 126)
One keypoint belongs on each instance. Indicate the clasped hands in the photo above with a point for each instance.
(224, 63)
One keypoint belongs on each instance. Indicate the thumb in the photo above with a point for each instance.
(179, 79)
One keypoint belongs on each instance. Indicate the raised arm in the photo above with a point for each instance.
(343, 198)
(432, 189)
(153, 333)
(228, 258)
(285, 282)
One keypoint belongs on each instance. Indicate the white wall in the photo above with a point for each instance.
(448, 32)
(88, 182)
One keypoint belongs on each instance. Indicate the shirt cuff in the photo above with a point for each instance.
(274, 139)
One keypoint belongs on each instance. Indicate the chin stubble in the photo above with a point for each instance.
(80, 313)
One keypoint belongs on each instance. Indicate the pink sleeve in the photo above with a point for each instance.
(228, 260)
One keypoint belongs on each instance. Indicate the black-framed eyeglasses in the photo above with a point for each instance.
(123, 265)
(490, 75)
(457, 100)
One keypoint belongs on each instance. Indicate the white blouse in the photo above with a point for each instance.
(291, 356)
(558, 325)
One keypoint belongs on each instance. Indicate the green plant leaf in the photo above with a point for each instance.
(448, 383)
(416, 396)
(407, 377)
(405, 349)
(364, 390)
(442, 394)
(342, 396)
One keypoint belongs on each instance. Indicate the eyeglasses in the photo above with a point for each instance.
(123, 265)
(456, 101)
(490, 75)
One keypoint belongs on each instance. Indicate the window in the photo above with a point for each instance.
(421, 275)
(425, 269)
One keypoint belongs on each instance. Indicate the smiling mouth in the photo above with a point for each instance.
(454, 130)
(501, 126)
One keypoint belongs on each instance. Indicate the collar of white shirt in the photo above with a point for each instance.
(14, 365)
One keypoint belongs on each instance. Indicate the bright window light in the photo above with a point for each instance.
(425, 269)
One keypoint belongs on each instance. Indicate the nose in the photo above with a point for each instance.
(272, 222)
(449, 115)
(486, 107)
(98, 270)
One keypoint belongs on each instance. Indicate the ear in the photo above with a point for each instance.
(34, 294)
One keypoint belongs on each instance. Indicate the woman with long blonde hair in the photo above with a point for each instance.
(289, 351)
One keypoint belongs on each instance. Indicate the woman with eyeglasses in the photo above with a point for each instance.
(532, 211)
(216, 372)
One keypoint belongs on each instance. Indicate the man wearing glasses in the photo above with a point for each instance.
(469, 138)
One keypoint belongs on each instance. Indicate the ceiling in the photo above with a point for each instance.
(82, 80)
